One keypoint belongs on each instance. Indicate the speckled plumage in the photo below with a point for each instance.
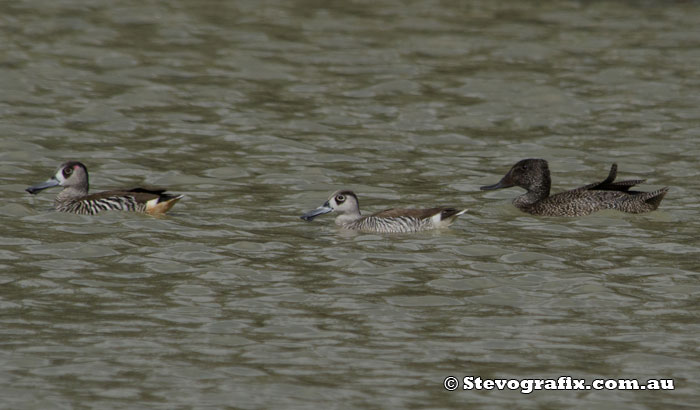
(392, 220)
(74, 197)
(533, 175)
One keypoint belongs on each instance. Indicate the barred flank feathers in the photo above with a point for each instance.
(401, 224)
(94, 206)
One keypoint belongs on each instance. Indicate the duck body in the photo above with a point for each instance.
(397, 220)
(134, 200)
(533, 175)
(74, 198)
(580, 203)
(393, 220)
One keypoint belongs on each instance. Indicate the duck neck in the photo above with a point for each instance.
(70, 194)
(536, 192)
(347, 218)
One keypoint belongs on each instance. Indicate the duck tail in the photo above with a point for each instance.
(654, 198)
(448, 215)
(162, 204)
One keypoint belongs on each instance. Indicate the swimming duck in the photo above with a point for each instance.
(388, 221)
(533, 175)
(74, 198)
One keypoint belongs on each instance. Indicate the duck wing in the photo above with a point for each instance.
(418, 213)
(411, 213)
(140, 195)
(609, 184)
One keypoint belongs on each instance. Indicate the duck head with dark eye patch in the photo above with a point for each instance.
(71, 175)
(344, 202)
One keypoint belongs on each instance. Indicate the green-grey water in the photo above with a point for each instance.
(257, 111)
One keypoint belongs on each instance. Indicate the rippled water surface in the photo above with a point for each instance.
(257, 111)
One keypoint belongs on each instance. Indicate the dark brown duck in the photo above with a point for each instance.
(533, 175)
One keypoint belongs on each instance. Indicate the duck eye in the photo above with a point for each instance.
(339, 198)
(67, 171)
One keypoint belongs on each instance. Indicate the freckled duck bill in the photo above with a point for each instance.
(41, 186)
(323, 209)
(503, 183)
